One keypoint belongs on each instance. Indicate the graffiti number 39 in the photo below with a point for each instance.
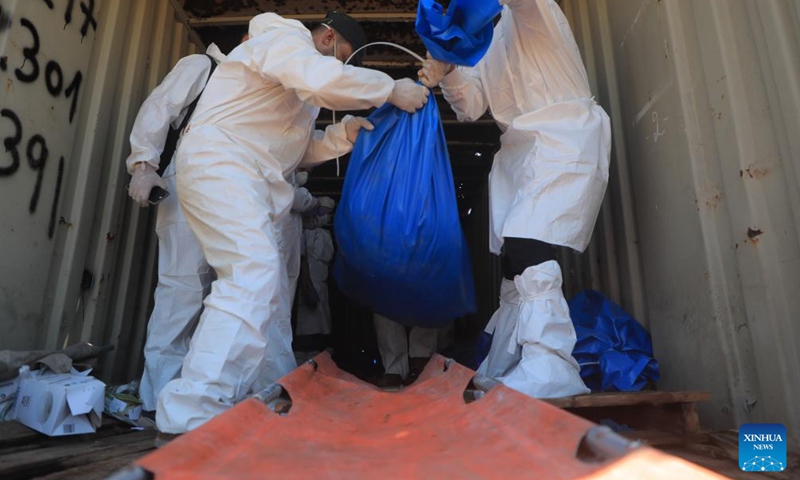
(36, 154)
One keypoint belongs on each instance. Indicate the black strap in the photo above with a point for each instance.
(175, 133)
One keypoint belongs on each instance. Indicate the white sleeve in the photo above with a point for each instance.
(289, 58)
(327, 145)
(463, 90)
(541, 17)
(303, 200)
(165, 107)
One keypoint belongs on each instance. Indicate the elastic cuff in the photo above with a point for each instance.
(133, 166)
(452, 79)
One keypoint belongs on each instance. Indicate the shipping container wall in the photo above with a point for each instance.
(705, 100)
(77, 259)
(45, 54)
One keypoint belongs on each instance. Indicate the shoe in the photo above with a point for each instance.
(164, 438)
(390, 382)
(415, 367)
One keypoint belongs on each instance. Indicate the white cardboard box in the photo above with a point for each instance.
(63, 404)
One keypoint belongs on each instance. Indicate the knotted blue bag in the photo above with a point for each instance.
(401, 250)
(463, 34)
(614, 351)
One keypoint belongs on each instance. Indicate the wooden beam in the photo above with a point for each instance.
(628, 399)
(182, 17)
(234, 20)
(657, 438)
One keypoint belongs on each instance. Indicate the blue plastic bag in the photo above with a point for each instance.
(401, 248)
(614, 351)
(463, 34)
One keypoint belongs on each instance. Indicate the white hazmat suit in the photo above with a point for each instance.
(289, 234)
(252, 127)
(318, 246)
(290, 231)
(184, 277)
(396, 346)
(547, 183)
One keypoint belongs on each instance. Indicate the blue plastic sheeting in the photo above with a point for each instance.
(482, 347)
(401, 248)
(463, 34)
(614, 351)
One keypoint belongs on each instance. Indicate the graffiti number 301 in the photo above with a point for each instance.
(54, 76)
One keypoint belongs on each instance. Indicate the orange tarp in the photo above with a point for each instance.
(341, 427)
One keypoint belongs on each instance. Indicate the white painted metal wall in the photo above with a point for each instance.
(704, 204)
(126, 51)
(44, 57)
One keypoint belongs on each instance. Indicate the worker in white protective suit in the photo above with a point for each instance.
(289, 235)
(315, 319)
(184, 277)
(254, 125)
(404, 353)
(290, 227)
(546, 184)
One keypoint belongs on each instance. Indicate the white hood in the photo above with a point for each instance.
(264, 22)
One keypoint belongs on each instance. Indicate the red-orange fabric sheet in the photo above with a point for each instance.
(342, 428)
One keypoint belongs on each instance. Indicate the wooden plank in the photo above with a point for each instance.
(720, 453)
(97, 470)
(666, 418)
(16, 437)
(657, 438)
(618, 399)
(182, 17)
(71, 452)
(728, 442)
(691, 421)
(15, 434)
(724, 466)
(234, 20)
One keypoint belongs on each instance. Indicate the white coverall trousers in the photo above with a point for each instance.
(531, 350)
(553, 167)
(396, 346)
(319, 252)
(227, 203)
(184, 280)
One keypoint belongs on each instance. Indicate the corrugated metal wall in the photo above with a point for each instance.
(44, 59)
(100, 235)
(703, 213)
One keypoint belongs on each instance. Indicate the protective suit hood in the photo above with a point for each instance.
(261, 23)
(214, 52)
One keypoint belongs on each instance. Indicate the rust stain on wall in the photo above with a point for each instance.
(753, 235)
(753, 172)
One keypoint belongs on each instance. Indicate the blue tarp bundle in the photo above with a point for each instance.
(401, 248)
(614, 351)
(463, 34)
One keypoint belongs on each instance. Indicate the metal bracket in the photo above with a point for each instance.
(601, 444)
